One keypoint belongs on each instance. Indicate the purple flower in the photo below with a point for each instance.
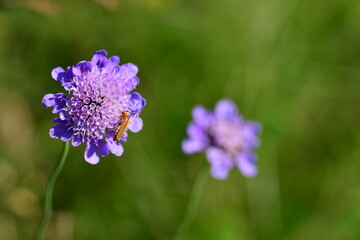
(226, 138)
(99, 92)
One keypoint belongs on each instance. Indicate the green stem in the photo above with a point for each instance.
(49, 192)
(193, 205)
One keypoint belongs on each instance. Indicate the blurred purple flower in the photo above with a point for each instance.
(228, 140)
(99, 92)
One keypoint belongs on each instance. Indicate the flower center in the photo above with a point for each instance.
(93, 113)
(227, 134)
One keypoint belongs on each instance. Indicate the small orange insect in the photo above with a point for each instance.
(122, 126)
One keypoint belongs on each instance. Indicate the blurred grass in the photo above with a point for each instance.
(292, 65)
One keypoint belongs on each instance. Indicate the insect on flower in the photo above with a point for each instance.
(122, 126)
(99, 91)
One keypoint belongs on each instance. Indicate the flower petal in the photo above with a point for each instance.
(115, 147)
(129, 83)
(66, 136)
(57, 101)
(99, 58)
(58, 74)
(198, 139)
(246, 163)
(58, 120)
(103, 148)
(64, 115)
(112, 66)
(101, 53)
(220, 162)
(137, 103)
(190, 146)
(135, 81)
(135, 96)
(225, 109)
(57, 131)
(81, 67)
(90, 154)
(202, 116)
(251, 130)
(128, 71)
(135, 124)
(195, 131)
(48, 100)
(219, 173)
(76, 70)
(143, 102)
(115, 60)
(124, 137)
(76, 140)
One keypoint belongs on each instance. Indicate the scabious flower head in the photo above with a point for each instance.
(228, 140)
(99, 92)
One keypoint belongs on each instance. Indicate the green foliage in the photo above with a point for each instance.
(292, 65)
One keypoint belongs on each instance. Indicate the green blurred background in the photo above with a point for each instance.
(292, 65)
